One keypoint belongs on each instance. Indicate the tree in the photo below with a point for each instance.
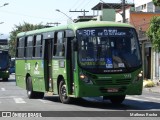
(17, 29)
(153, 33)
(156, 2)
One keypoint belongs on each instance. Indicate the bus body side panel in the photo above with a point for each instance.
(59, 69)
(36, 71)
(21, 73)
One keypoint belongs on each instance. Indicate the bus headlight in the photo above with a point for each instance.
(85, 79)
(139, 77)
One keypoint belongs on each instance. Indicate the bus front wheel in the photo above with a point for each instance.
(117, 99)
(63, 93)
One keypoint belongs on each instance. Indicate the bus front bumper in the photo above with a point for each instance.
(4, 74)
(94, 91)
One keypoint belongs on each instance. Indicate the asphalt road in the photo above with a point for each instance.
(14, 98)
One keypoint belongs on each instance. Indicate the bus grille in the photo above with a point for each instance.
(113, 82)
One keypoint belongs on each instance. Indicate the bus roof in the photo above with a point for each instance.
(75, 26)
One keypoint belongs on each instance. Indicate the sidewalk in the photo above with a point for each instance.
(150, 86)
(155, 89)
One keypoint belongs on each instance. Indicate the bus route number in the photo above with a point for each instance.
(89, 32)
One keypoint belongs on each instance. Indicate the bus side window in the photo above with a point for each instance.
(55, 46)
(20, 47)
(29, 48)
(38, 46)
(59, 45)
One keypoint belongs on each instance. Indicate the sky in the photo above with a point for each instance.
(42, 11)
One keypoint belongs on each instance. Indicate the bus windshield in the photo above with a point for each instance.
(4, 60)
(108, 49)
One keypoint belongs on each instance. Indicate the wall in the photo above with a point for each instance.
(141, 2)
(141, 20)
(108, 15)
(119, 16)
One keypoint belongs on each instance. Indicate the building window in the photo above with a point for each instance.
(144, 6)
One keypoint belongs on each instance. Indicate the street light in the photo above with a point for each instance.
(1, 22)
(64, 14)
(4, 4)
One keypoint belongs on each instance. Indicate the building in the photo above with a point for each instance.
(151, 58)
(145, 6)
(107, 11)
(140, 17)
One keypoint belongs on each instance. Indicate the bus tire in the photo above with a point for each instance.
(63, 93)
(30, 93)
(39, 95)
(117, 99)
(5, 79)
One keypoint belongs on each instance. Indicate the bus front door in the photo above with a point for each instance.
(48, 65)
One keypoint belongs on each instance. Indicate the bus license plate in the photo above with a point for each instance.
(112, 90)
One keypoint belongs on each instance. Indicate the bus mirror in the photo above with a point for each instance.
(75, 46)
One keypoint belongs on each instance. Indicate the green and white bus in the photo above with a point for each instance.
(4, 60)
(4, 64)
(77, 60)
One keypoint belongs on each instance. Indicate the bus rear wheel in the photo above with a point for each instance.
(30, 93)
(63, 93)
(117, 99)
(5, 79)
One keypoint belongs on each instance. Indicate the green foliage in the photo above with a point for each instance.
(17, 29)
(153, 33)
(156, 2)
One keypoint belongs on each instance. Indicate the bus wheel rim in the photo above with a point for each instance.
(29, 92)
(63, 92)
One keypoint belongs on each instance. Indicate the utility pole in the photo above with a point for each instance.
(84, 12)
(124, 12)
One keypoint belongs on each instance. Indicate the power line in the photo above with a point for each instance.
(78, 5)
(82, 11)
(55, 23)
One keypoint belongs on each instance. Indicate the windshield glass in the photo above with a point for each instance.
(108, 48)
(4, 60)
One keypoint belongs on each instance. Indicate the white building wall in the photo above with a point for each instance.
(119, 16)
(141, 2)
(144, 6)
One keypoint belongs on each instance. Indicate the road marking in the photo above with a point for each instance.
(19, 100)
(137, 99)
(44, 101)
(153, 98)
(3, 89)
